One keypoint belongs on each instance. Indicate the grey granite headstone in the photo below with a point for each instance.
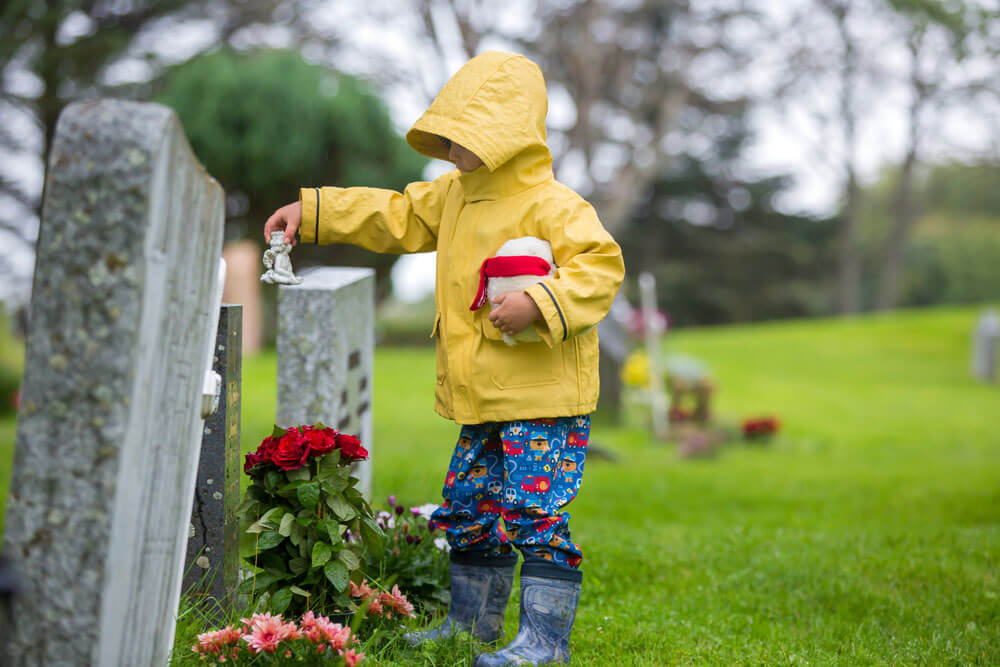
(110, 420)
(985, 339)
(326, 344)
(212, 563)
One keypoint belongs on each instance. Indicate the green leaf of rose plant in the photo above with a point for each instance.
(336, 573)
(350, 559)
(300, 474)
(333, 530)
(273, 479)
(340, 507)
(297, 533)
(321, 554)
(287, 521)
(269, 539)
(278, 432)
(308, 495)
(272, 562)
(298, 565)
(329, 463)
(299, 591)
(372, 536)
(280, 600)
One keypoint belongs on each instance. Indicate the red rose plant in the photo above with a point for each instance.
(300, 504)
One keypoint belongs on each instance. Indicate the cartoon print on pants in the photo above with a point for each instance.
(525, 471)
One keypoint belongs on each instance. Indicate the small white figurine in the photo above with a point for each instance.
(278, 263)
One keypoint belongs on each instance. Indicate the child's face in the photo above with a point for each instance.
(463, 158)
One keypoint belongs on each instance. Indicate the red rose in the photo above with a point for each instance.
(319, 441)
(262, 455)
(288, 454)
(350, 447)
(252, 461)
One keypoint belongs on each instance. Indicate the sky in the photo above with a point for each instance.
(791, 138)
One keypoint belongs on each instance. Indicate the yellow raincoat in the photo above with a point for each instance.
(494, 106)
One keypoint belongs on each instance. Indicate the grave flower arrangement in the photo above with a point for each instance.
(415, 555)
(760, 428)
(314, 640)
(300, 504)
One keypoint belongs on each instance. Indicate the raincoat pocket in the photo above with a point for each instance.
(489, 330)
(522, 365)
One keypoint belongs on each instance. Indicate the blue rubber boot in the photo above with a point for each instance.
(549, 595)
(480, 588)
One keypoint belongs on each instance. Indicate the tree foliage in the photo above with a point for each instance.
(720, 247)
(267, 123)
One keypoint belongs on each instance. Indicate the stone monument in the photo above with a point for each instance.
(985, 338)
(652, 328)
(122, 319)
(212, 562)
(326, 342)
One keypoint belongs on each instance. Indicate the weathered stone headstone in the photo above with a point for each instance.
(211, 567)
(122, 315)
(985, 339)
(326, 342)
(659, 401)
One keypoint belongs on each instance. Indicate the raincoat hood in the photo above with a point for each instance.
(495, 106)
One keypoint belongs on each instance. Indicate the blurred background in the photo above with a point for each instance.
(762, 159)
(832, 164)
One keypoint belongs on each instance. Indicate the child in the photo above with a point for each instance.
(524, 409)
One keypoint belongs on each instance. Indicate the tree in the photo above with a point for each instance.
(939, 38)
(66, 50)
(266, 123)
(720, 248)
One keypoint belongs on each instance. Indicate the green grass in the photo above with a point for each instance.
(867, 533)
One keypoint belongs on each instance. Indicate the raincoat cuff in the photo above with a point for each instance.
(554, 329)
(309, 225)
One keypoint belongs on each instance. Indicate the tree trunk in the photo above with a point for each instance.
(903, 213)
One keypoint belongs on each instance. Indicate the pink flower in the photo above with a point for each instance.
(216, 641)
(336, 635)
(310, 626)
(351, 658)
(375, 607)
(397, 601)
(362, 591)
(264, 632)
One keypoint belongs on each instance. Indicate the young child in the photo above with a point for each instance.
(524, 409)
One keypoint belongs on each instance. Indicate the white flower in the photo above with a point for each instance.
(424, 510)
(385, 520)
(442, 544)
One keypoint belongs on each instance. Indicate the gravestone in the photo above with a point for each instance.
(122, 319)
(211, 567)
(652, 328)
(985, 338)
(326, 343)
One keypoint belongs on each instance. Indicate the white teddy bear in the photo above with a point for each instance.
(527, 247)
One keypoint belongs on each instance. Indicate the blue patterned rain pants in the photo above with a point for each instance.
(523, 471)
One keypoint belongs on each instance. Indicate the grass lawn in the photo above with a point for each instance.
(868, 532)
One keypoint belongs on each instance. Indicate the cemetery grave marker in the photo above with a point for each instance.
(326, 341)
(211, 567)
(126, 291)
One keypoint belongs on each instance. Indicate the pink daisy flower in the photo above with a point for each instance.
(214, 642)
(351, 658)
(398, 602)
(265, 632)
(362, 591)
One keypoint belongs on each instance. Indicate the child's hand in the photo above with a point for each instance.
(514, 312)
(286, 218)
